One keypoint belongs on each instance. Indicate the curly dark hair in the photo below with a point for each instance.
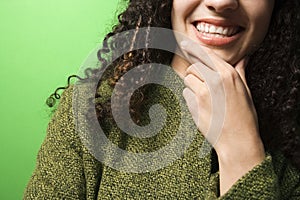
(273, 72)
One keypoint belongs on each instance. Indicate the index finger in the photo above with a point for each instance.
(199, 53)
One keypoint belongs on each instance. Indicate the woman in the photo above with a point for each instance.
(256, 154)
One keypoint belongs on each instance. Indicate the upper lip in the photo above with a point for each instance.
(217, 22)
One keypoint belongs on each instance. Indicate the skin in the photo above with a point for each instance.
(208, 68)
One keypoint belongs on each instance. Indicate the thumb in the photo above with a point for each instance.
(240, 68)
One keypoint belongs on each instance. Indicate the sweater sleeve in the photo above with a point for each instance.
(265, 181)
(59, 172)
(259, 183)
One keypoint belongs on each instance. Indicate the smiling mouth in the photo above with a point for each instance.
(217, 31)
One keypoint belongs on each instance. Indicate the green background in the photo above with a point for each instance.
(41, 44)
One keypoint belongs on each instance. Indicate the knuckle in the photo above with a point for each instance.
(230, 75)
(189, 70)
(186, 92)
(203, 93)
(215, 81)
(192, 69)
(188, 79)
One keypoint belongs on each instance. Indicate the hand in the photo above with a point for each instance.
(219, 100)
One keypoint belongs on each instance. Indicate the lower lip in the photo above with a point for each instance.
(216, 41)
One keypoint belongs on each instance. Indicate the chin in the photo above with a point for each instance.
(229, 58)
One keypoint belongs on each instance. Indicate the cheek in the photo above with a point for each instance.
(260, 30)
(260, 20)
(177, 7)
(175, 14)
(183, 8)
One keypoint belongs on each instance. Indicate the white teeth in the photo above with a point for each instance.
(206, 28)
(225, 31)
(199, 27)
(212, 29)
(230, 31)
(215, 35)
(202, 26)
(217, 30)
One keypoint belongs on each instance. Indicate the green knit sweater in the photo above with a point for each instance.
(65, 169)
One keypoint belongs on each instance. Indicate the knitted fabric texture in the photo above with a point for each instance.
(66, 169)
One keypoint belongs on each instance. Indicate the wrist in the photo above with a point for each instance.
(242, 155)
(235, 163)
